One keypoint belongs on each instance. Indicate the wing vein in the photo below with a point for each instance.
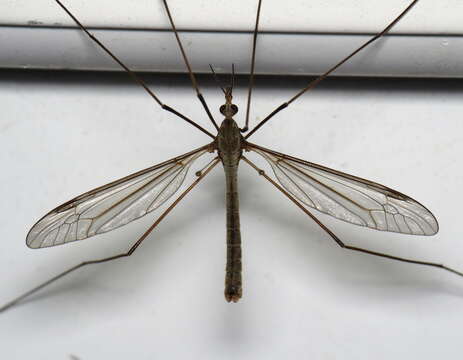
(115, 204)
(330, 188)
(347, 197)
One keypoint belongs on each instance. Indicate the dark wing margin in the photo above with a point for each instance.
(349, 198)
(113, 205)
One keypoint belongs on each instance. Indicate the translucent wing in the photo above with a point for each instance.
(349, 198)
(112, 205)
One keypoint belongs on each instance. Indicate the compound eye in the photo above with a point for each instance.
(233, 110)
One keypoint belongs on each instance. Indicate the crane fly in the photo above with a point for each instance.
(307, 185)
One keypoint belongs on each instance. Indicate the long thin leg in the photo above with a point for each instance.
(336, 239)
(118, 256)
(132, 74)
(315, 82)
(194, 83)
(253, 63)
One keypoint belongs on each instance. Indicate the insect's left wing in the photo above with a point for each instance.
(112, 205)
(349, 198)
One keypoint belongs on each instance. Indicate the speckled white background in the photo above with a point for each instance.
(63, 134)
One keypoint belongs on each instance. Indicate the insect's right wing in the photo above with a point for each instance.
(349, 198)
(112, 205)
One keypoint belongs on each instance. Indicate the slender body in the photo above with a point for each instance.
(307, 185)
(230, 144)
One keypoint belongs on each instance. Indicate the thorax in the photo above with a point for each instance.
(230, 142)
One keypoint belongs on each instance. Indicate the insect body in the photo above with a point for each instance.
(230, 144)
(307, 185)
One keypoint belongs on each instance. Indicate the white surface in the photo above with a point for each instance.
(428, 41)
(62, 134)
(295, 54)
(338, 16)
